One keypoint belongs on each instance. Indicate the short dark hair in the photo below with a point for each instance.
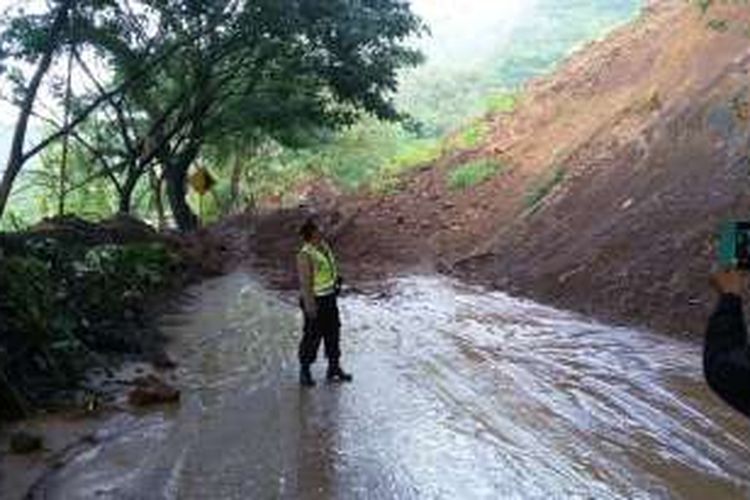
(308, 229)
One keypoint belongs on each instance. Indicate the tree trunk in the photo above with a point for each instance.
(12, 404)
(234, 192)
(16, 158)
(126, 197)
(176, 177)
(66, 138)
(156, 183)
(123, 206)
(176, 163)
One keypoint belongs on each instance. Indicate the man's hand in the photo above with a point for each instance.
(730, 282)
(311, 309)
(305, 270)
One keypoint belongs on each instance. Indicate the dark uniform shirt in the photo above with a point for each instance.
(726, 359)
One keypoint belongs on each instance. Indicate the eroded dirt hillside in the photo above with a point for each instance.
(655, 129)
(617, 171)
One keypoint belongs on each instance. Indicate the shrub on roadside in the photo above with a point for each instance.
(63, 306)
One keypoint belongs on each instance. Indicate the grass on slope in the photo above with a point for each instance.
(474, 173)
(543, 188)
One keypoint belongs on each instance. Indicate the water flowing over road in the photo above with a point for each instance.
(459, 393)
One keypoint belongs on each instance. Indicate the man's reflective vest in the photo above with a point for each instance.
(325, 272)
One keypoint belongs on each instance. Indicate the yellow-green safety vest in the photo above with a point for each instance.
(325, 272)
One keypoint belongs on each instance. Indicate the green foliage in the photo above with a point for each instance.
(376, 168)
(111, 278)
(28, 290)
(474, 173)
(133, 268)
(444, 94)
(185, 75)
(414, 153)
(83, 192)
(472, 136)
(61, 302)
(32, 307)
(368, 154)
(544, 187)
(14, 221)
(720, 25)
(94, 281)
(502, 102)
(703, 5)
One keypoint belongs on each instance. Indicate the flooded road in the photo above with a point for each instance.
(458, 394)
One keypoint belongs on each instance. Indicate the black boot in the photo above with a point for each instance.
(336, 374)
(305, 377)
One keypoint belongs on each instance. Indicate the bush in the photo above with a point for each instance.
(61, 304)
(137, 267)
(474, 173)
(112, 281)
(27, 297)
(37, 330)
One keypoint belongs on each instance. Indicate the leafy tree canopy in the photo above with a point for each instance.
(178, 75)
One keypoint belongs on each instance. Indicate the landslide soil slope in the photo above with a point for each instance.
(618, 168)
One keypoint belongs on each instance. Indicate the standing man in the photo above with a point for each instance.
(319, 285)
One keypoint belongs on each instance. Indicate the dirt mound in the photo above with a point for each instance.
(72, 230)
(120, 229)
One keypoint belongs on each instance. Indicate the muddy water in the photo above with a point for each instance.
(458, 393)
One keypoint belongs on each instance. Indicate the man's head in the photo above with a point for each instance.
(310, 232)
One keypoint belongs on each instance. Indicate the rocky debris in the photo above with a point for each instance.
(24, 443)
(151, 390)
(162, 361)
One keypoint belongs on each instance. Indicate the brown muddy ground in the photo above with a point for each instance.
(640, 142)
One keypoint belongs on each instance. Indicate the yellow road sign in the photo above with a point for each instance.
(202, 181)
(742, 110)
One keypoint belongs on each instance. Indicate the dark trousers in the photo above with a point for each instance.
(326, 327)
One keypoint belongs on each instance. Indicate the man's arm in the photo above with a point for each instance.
(332, 257)
(725, 360)
(305, 271)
